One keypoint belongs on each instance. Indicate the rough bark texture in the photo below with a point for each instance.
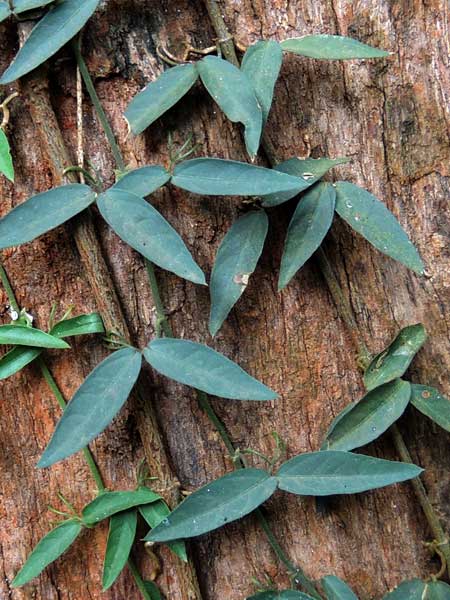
(390, 117)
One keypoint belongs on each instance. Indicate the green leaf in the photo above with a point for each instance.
(203, 368)
(6, 164)
(81, 325)
(219, 177)
(370, 417)
(224, 500)
(21, 335)
(154, 514)
(396, 358)
(160, 95)
(420, 590)
(262, 63)
(152, 590)
(16, 359)
(20, 6)
(431, 403)
(233, 91)
(285, 595)
(370, 217)
(236, 260)
(308, 227)
(95, 404)
(49, 549)
(5, 11)
(54, 30)
(110, 503)
(143, 181)
(122, 530)
(308, 170)
(43, 212)
(330, 472)
(141, 226)
(336, 589)
(331, 47)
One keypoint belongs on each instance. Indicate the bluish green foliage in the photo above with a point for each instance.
(284, 595)
(122, 530)
(43, 213)
(370, 217)
(154, 514)
(21, 335)
(143, 181)
(336, 589)
(420, 590)
(145, 229)
(262, 63)
(111, 503)
(205, 369)
(218, 177)
(308, 227)
(160, 95)
(432, 404)
(333, 472)
(224, 500)
(48, 550)
(396, 358)
(54, 30)
(370, 417)
(6, 163)
(95, 404)
(236, 259)
(5, 11)
(331, 47)
(234, 93)
(20, 6)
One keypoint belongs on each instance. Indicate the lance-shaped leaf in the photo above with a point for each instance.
(336, 589)
(43, 212)
(143, 181)
(420, 590)
(224, 500)
(111, 503)
(95, 404)
(20, 335)
(205, 369)
(332, 472)
(308, 170)
(396, 358)
(236, 260)
(16, 359)
(431, 403)
(152, 590)
(308, 227)
(370, 217)
(20, 6)
(141, 226)
(49, 549)
(54, 30)
(331, 47)
(262, 63)
(154, 514)
(234, 93)
(160, 95)
(284, 595)
(81, 325)
(370, 417)
(6, 163)
(219, 177)
(122, 530)
(5, 11)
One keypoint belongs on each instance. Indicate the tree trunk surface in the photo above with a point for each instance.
(391, 118)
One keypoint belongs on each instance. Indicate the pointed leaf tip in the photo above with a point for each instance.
(331, 47)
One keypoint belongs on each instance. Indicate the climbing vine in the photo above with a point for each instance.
(244, 92)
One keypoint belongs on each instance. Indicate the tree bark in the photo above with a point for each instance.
(391, 117)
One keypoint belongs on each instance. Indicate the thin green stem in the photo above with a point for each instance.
(51, 382)
(161, 317)
(8, 289)
(98, 107)
(138, 580)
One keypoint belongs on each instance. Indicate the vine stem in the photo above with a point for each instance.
(8, 289)
(344, 310)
